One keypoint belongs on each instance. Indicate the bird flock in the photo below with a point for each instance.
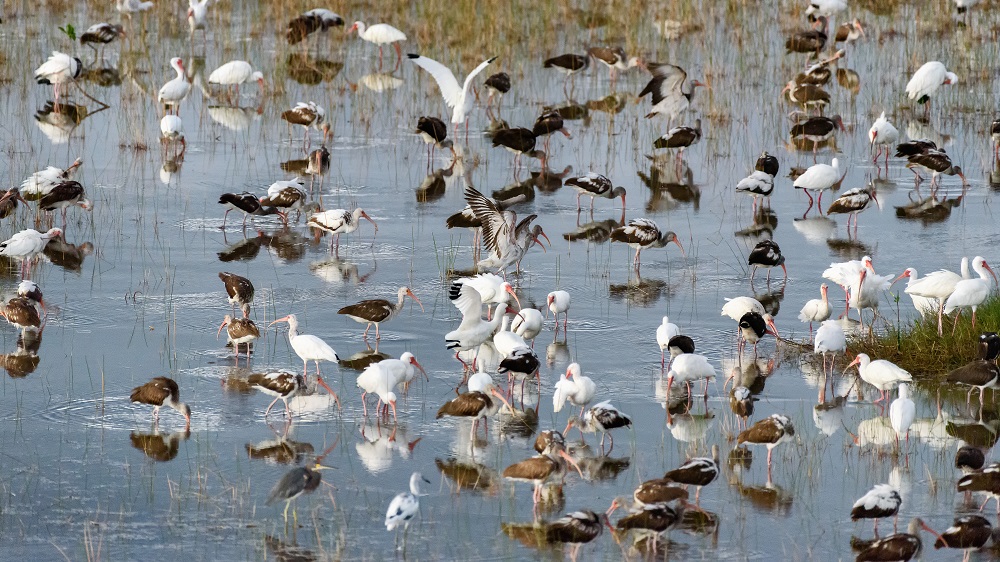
(500, 340)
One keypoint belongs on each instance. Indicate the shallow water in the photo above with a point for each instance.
(83, 475)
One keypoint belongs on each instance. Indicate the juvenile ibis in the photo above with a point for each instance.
(808, 96)
(542, 470)
(496, 85)
(808, 41)
(766, 254)
(753, 327)
(926, 82)
(21, 313)
(376, 311)
(600, 418)
(57, 70)
(937, 162)
(296, 482)
(770, 432)
(969, 459)
(819, 177)
(159, 392)
(283, 386)
(644, 233)
(101, 34)
(902, 412)
(670, 89)
(664, 333)
(239, 331)
(380, 34)
(968, 533)
(64, 195)
(680, 137)
(316, 20)
(881, 374)
(741, 402)
(853, 202)
(914, 147)
(758, 184)
(474, 405)
(234, 73)
(239, 290)
(455, 97)
(900, 546)
(569, 64)
(575, 388)
(970, 293)
(306, 346)
(557, 302)
(698, 472)
(657, 490)
(245, 202)
(849, 32)
(982, 373)
(434, 133)
(575, 528)
(549, 122)
(615, 59)
(308, 115)
(817, 130)
(41, 182)
(986, 480)
(651, 520)
(173, 92)
(883, 135)
(30, 290)
(817, 310)
(520, 364)
(405, 506)
(339, 221)
(882, 501)
(767, 163)
(520, 141)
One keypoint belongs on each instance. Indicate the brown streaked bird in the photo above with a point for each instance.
(741, 402)
(160, 392)
(644, 233)
(434, 133)
(339, 221)
(809, 96)
(986, 480)
(937, 162)
(238, 331)
(595, 185)
(376, 311)
(21, 313)
(283, 386)
(542, 470)
(852, 202)
(63, 196)
(546, 438)
(549, 122)
(770, 432)
(475, 405)
(680, 137)
(819, 74)
(658, 490)
(817, 130)
(8, 202)
(309, 114)
(310, 22)
(159, 446)
(699, 472)
(898, 547)
(809, 41)
(101, 34)
(239, 289)
(968, 533)
(286, 195)
(576, 529)
(652, 520)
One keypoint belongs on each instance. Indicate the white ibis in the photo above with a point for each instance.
(766, 254)
(758, 184)
(283, 386)
(306, 346)
(528, 323)
(900, 546)
(986, 480)
(434, 133)
(41, 182)
(239, 290)
(927, 80)
(129, 7)
(557, 302)
(817, 310)
(296, 482)
(753, 327)
(644, 233)
(680, 137)
(173, 92)
(382, 377)
(865, 293)
(474, 405)
(455, 97)
(239, 331)
(308, 115)
(819, 178)
(830, 338)
(883, 135)
(101, 34)
(27, 245)
(574, 387)
(376, 311)
(902, 412)
(670, 89)
(197, 16)
(505, 341)
(970, 293)
(234, 73)
(938, 286)
(318, 19)
(600, 418)
(405, 506)
(172, 131)
(883, 375)
(576, 528)
(982, 373)
(159, 392)
(968, 533)
(595, 185)
(542, 470)
(339, 221)
(698, 472)
(882, 501)
(380, 34)
(664, 333)
(937, 162)
(852, 202)
(817, 130)
(492, 290)
(687, 368)
(57, 70)
(473, 331)
(770, 432)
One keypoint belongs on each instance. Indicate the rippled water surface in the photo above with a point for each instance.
(136, 294)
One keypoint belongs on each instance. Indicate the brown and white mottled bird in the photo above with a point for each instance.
(101, 34)
(239, 289)
(808, 41)
(496, 85)
(474, 405)
(753, 326)
(882, 501)
(296, 482)
(376, 311)
(434, 133)
(549, 122)
(853, 202)
(317, 20)
(239, 331)
(968, 533)
(615, 59)
(699, 472)
(159, 392)
(766, 254)
(63, 196)
(30, 290)
(569, 64)
(982, 373)
(741, 402)
(671, 92)
(986, 480)
(600, 418)
(575, 528)
(652, 519)
(658, 490)
(767, 163)
(283, 386)
(595, 185)
(247, 203)
(521, 142)
(770, 432)
(308, 115)
(808, 96)
(21, 313)
(817, 130)
(286, 195)
(545, 469)
(898, 547)
(644, 233)
(937, 162)
(339, 221)
(969, 459)
(680, 137)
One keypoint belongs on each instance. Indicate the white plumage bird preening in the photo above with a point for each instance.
(664, 332)
(883, 135)
(579, 390)
(308, 347)
(970, 293)
(57, 70)
(902, 412)
(926, 82)
(234, 73)
(817, 310)
(174, 91)
(455, 96)
(380, 34)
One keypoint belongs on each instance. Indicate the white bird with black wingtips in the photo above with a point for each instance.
(455, 96)
(59, 69)
(405, 506)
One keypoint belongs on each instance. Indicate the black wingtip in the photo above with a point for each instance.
(491, 60)
(413, 55)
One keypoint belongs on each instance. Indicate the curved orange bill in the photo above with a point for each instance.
(221, 326)
(570, 460)
(414, 297)
(678, 242)
(322, 383)
(419, 366)
(510, 290)
(285, 319)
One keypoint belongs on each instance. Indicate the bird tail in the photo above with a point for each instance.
(452, 344)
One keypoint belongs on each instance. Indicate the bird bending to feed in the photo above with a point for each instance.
(880, 373)
(21, 313)
(64, 195)
(497, 85)
(547, 468)
(308, 115)
(234, 73)
(900, 546)
(883, 135)
(173, 92)
(239, 331)
(680, 137)
(688, 368)
(643, 233)
(159, 392)
(664, 333)
(600, 418)
(286, 194)
(579, 390)
(771, 432)
(969, 532)
(319, 19)
(239, 290)
(57, 70)
(753, 327)
(816, 130)
(172, 130)
(882, 501)
(406, 505)
(758, 184)
(475, 405)
(101, 34)
(569, 64)
(380, 34)
(434, 133)
(937, 162)
(576, 528)
(308, 347)
(766, 254)
(456, 97)
(296, 482)
(376, 311)
(245, 202)
(926, 82)
(339, 221)
(698, 472)
(283, 386)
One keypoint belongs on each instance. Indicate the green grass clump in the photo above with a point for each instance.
(916, 346)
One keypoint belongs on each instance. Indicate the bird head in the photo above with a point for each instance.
(409, 293)
(507, 288)
(413, 361)
(907, 273)
(365, 216)
(225, 322)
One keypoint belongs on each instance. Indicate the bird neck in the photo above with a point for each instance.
(399, 301)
